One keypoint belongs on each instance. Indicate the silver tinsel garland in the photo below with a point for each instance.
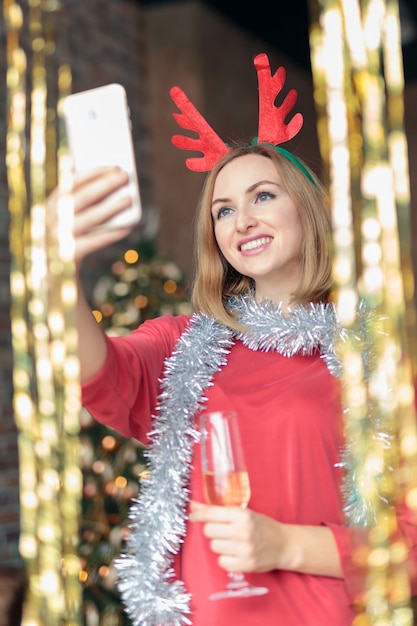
(149, 591)
(151, 595)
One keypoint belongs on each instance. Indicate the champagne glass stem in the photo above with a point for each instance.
(238, 587)
(236, 580)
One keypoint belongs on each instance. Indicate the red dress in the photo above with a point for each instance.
(291, 425)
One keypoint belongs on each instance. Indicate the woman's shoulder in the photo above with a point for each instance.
(154, 338)
(169, 326)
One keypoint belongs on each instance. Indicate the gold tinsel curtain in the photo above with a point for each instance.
(45, 374)
(358, 87)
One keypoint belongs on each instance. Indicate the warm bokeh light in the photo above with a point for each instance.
(120, 482)
(108, 442)
(83, 576)
(141, 302)
(170, 286)
(131, 256)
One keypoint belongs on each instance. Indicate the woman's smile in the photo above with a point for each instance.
(254, 245)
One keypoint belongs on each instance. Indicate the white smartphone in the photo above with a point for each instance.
(99, 133)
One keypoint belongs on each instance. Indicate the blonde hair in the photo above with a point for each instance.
(215, 280)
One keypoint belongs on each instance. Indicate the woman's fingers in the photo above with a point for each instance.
(92, 188)
(207, 513)
(97, 215)
(97, 196)
(243, 539)
(96, 240)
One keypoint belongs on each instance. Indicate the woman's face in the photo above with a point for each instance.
(257, 226)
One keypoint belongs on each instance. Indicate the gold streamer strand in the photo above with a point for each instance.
(397, 153)
(46, 389)
(24, 406)
(388, 594)
(350, 85)
(16, 102)
(64, 337)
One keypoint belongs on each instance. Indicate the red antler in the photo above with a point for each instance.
(208, 142)
(272, 126)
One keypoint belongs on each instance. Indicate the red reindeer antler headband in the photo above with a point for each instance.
(272, 129)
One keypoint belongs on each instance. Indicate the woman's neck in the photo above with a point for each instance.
(284, 300)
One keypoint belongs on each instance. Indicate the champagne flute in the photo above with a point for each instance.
(226, 482)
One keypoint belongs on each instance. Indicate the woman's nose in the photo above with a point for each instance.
(245, 219)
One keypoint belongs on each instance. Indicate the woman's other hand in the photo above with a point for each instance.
(244, 540)
(248, 541)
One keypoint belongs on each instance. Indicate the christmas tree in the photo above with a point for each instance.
(140, 285)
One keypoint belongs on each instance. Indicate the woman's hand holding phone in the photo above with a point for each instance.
(98, 196)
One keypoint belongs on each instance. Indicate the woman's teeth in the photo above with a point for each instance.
(255, 243)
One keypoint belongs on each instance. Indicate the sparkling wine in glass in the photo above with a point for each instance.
(226, 482)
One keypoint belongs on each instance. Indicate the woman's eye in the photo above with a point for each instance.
(224, 210)
(264, 195)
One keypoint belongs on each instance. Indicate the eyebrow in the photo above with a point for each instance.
(249, 190)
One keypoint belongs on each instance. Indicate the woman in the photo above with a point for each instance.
(261, 344)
